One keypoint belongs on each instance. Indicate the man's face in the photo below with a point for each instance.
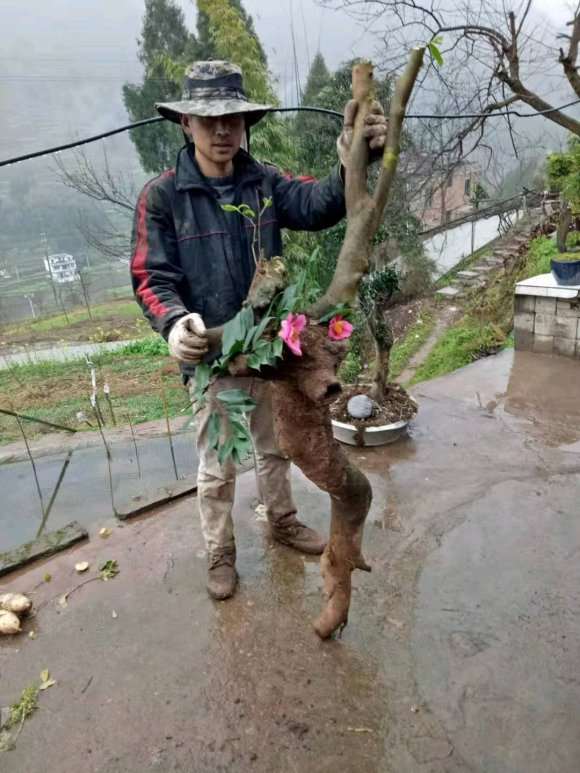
(218, 139)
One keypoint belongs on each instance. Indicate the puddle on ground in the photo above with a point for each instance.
(544, 390)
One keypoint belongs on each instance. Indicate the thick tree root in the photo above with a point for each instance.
(304, 433)
(338, 561)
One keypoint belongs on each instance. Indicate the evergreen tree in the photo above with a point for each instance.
(318, 78)
(309, 126)
(163, 35)
(232, 34)
(204, 38)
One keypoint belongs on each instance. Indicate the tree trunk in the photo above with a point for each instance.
(382, 333)
(564, 223)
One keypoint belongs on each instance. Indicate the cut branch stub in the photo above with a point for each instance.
(356, 172)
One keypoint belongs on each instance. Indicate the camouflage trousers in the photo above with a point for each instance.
(217, 482)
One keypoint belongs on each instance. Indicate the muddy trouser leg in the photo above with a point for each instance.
(216, 483)
(273, 467)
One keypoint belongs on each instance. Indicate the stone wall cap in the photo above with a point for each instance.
(544, 285)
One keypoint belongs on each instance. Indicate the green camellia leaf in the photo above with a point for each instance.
(254, 362)
(259, 330)
(230, 208)
(236, 330)
(249, 338)
(288, 300)
(263, 354)
(277, 347)
(435, 54)
(342, 309)
(237, 399)
(214, 430)
(246, 211)
(239, 429)
(225, 450)
(202, 377)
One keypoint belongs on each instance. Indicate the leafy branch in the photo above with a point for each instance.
(257, 340)
(255, 220)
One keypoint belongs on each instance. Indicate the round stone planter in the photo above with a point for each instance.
(369, 436)
(566, 273)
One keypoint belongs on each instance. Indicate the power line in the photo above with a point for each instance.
(333, 113)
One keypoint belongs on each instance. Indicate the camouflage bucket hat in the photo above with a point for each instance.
(213, 89)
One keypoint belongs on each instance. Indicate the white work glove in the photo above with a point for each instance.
(188, 339)
(375, 131)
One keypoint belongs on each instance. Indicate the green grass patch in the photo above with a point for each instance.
(486, 325)
(459, 346)
(100, 326)
(410, 344)
(402, 351)
(541, 252)
(58, 391)
(152, 346)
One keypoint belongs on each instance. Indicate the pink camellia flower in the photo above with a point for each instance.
(339, 328)
(292, 326)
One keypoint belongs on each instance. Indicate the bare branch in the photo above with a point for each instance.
(399, 102)
(100, 185)
(494, 36)
(568, 60)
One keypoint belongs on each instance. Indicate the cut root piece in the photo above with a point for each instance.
(338, 561)
(17, 603)
(9, 623)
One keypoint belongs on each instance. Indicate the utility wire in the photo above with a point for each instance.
(324, 111)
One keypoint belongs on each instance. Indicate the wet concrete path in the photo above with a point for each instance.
(137, 469)
(463, 645)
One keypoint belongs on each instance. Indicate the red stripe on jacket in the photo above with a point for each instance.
(139, 262)
(303, 178)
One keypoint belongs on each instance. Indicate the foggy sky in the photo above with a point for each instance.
(63, 63)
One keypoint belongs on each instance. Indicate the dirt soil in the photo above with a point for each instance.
(397, 407)
(114, 328)
(106, 326)
(404, 316)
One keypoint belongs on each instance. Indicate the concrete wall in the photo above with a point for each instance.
(451, 246)
(547, 325)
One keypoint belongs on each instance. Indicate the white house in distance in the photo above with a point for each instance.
(62, 268)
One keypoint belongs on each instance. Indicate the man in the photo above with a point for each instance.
(192, 266)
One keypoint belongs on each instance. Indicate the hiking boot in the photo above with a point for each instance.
(289, 531)
(222, 577)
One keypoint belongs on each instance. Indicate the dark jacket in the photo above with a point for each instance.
(185, 258)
